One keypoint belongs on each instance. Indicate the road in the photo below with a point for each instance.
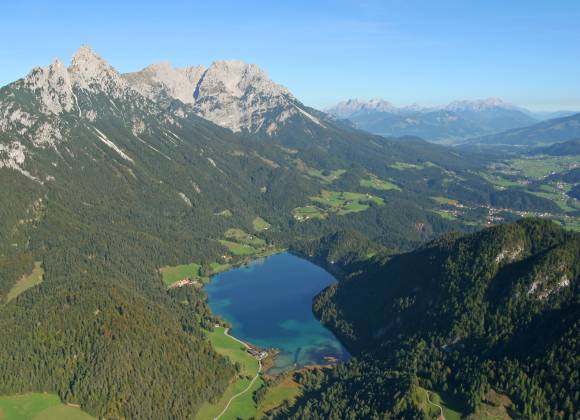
(226, 332)
(441, 416)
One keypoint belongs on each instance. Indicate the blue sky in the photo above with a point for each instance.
(427, 52)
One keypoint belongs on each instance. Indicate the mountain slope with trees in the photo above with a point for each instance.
(498, 309)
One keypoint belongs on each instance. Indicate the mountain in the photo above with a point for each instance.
(457, 120)
(566, 148)
(231, 94)
(493, 114)
(494, 311)
(106, 178)
(551, 115)
(551, 131)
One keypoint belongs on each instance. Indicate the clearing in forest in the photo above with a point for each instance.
(26, 282)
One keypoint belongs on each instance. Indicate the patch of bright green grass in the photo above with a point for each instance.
(445, 201)
(244, 406)
(445, 214)
(378, 184)
(540, 167)
(499, 181)
(453, 409)
(26, 282)
(403, 166)
(285, 390)
(339, 202)
(238, 235)
(555, 197)
(38, 406)
(325, 176)
(233, 349)
(260, 224)
(216, 267)
(238, 249)
(179, 272)
(308, 212)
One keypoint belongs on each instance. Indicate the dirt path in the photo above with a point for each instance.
(246, 345)
(441, 416)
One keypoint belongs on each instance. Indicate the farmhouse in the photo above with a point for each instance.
(257, 353)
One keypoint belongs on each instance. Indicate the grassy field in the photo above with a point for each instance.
(556, 197)
(499, 182)
(26, 282)
(238, 249)
(378, 184)
(538, 168)
(38, 406)
(244, 406)
(493, 407)
(260, 224)
(179, 272)
(216, 267)
(242, 237)
(339, 202)
(402, 166)
(452, 408)
(308, 212)
(445, 201)
(445, 214)
(285, 390)
(326, 177)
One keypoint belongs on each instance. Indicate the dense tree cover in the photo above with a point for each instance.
(496, 309)
(360, 389)
(101, 329)
(566, 148)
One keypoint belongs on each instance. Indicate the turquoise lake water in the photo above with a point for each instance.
(269, 304)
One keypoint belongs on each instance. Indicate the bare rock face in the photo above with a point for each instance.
(232, 94)
(53, 84)
(90, 72)
(159, 79)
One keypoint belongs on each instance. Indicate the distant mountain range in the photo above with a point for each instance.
(545, 132)
(455, 121)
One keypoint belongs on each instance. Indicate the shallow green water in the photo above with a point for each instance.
(269, 304)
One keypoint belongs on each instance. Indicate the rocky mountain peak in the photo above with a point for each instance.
(53, 85)
(235, 78)
(230, 93)
(349, 107)
(90, 72)
(159, 78)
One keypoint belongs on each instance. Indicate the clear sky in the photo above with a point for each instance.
(427, 52)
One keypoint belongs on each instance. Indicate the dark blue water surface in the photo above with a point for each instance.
(269, 304)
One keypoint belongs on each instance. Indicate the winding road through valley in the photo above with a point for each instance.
(246, 345)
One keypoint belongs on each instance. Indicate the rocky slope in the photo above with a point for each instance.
(231, 94)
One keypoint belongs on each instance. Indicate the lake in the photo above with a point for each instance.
(269, 304)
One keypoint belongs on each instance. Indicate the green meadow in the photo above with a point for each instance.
(26, 282)
(179, 272)
(338, 202)
(38, 406)
(325, 176)
(243, 406)
(260, 224)
(378, 184)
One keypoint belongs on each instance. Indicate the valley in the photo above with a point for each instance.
(148, 215)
